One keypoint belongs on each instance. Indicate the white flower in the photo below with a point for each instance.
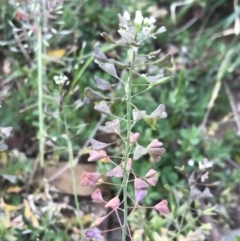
(191, 163)
(205, 164)
(152, 20)
(60, 80)
(138, 18)
(146, 21)
(147, 30)
(126, 15)
(149, 21)
(204, 177)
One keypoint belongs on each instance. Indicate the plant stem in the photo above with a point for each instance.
(40, 93)
(125, 178)
(71, 162)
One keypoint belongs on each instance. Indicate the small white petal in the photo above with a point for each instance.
(126, 15)
(138, 18)
(191, 163)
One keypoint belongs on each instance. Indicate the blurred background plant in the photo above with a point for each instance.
(202, 100)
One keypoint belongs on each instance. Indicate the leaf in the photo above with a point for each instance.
(97, 145)
(57, 53)
(29, 215)
(108, 38)
(102, 84)
(164, 62)
(103, 108)
(209, 211)
(8, 208)
(92, 95)
(139, 152)
(109, 68)
(167, 187)
(148, 232)
(183, 190)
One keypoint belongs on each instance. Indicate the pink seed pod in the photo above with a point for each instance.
(113, 203)
(134, 137)
(152, 181)
(162, 207)
(95, 156)
(140, 184)
(140, 194)
(151, 173)
(97, 196)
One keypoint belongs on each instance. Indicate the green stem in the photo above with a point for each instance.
(128, 146)
(40, 94)
(74, 183)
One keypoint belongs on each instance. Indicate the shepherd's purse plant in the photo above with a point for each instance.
(134, 34)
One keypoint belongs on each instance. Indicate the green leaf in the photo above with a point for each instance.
(183, 190)
(209, 211)
(167, 187)
(148, 232)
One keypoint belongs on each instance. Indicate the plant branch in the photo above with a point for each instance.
(128, 146)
